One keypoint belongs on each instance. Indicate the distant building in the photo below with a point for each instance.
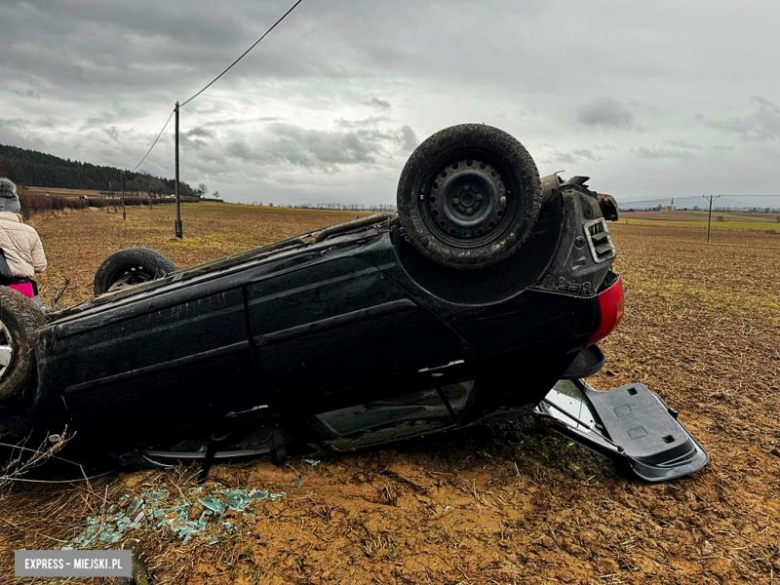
(669, 207)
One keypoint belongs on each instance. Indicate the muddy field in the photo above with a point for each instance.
(510, 504)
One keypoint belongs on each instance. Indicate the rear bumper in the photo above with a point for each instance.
(611, 308)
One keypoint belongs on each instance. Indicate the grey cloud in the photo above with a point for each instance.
(239, 121)
(240, 151)
(112, 132)
(410, 140)
(323, 148)
(196, 138)
(107, 116)
(370, 121)
(761, 123)
(379, 103)
(605, 112)
(683, 144)
(663, 153)
(15, 132)
(327, 147)
(762, 101)
(48, 123)
(28, 93)
(91, 47)
(576, 156)
(288, 144)
(346, 77)
(199, 133)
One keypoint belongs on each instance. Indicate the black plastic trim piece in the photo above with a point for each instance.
(630, 424)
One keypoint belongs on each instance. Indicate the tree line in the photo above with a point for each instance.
(30, 167)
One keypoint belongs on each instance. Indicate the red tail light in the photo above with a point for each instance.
(610, 310)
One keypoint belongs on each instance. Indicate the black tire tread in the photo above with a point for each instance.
(23, 319)
(119, 261)
(468, 136)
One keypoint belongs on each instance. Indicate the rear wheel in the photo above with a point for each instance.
(130, 267)
(469, 196)
(20, 320)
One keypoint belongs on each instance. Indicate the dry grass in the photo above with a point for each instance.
(508, 505)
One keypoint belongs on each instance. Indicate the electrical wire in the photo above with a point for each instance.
(679, 198)
(213, 81)
(155, 142)
(244, 54)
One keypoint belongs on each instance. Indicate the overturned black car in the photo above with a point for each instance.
(487, 292)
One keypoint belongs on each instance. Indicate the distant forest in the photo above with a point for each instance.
(30, 167)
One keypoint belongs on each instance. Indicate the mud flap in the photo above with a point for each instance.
(631, 424)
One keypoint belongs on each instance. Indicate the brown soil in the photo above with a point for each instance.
(511, 504)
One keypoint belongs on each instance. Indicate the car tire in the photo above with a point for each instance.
(130, 267)
(20, 320)
(469, 196)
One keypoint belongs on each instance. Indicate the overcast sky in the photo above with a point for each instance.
(651, 99)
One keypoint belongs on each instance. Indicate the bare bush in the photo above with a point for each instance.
(22, 459)
(33, 203)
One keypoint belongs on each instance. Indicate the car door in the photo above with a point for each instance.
(176, 356)
(333, 330)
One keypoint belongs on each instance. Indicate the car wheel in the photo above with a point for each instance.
(469, 196)
(20, 320)
(130, 267)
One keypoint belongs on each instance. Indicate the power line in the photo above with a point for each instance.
(710, 198)
(154, 143)
(688, 197)
(244, 54)
(213, 81)
(178, 227)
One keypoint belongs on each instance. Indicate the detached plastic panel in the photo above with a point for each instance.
(629, 423)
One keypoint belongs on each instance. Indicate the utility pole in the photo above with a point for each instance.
(113, 197)
(177, 226)
(710, 198)
(122, 183)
